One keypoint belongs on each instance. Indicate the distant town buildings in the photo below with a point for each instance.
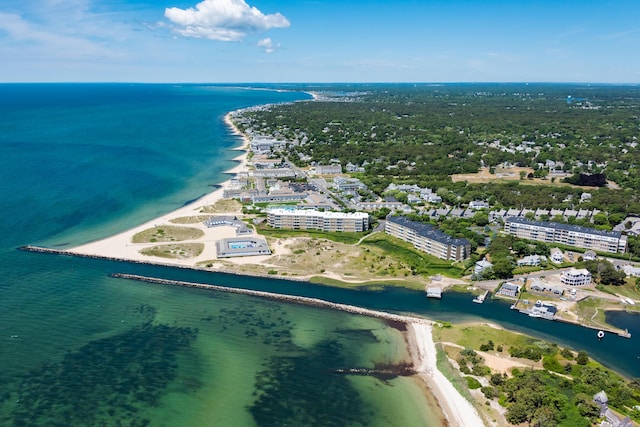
(566, 234)
(310, 219)
(427, 238)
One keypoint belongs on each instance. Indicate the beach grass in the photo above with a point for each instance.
(175, 251)
(167, 233)
(222, 206)
(195, 219)
(451, 373)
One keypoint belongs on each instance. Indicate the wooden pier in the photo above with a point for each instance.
(480, 298)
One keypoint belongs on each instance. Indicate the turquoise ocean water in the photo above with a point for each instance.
(79, 348)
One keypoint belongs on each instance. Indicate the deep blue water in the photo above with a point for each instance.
(82, 161)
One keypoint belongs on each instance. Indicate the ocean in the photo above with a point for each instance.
(77, 347)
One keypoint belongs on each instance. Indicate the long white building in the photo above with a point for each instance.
(311, 219)
(427, 238)
(566, 234)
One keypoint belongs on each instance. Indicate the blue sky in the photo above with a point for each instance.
(224, 41)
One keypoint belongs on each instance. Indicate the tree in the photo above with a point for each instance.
(481, 219)
(517, 413)
(503, 268)
(582, 358)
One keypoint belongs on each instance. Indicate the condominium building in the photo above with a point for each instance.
(311, 219)
(566, 234)
(427, 238)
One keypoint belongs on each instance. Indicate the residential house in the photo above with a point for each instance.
(478, 204)
(481, 266)
(576, 277)
(509, 289)
(557, 256)
(531, 260)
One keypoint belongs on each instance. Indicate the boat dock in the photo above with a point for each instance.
(433, 292)
(480, 298)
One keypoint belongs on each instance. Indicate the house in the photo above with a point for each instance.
(413, 199)
(557, 256)
(509, 289)
(576, 277)
(478, 204)
(602, 401)
(541, 212)
(531, 260)
(543, 287)
(589, 256)
(631, 270)
(481, 266)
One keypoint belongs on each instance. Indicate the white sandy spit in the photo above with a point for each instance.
(457, 410)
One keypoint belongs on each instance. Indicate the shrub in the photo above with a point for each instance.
(567, 354)
(550, 363)
(583, 358)
(489, 392)
(473, 383)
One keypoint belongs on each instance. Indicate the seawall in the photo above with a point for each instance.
(314, 302)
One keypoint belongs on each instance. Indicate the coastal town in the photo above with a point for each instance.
(278, 219)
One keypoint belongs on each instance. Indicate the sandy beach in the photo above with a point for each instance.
(457, 410)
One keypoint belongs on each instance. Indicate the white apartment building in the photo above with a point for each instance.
(311, 219)
(566, 234)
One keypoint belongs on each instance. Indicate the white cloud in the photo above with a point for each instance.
(224, 20)
(268, 46)
(49, 42)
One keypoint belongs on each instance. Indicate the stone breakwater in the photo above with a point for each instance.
(314, 302)
(52, 251)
